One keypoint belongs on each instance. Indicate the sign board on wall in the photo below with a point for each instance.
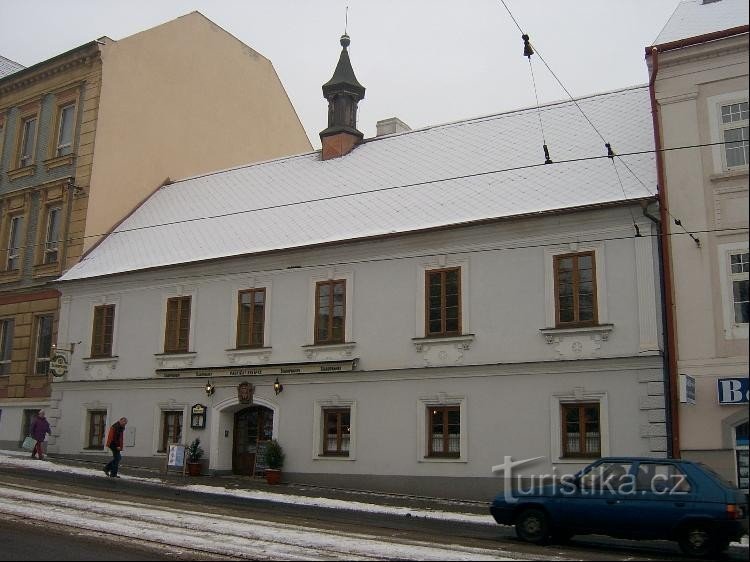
(734, 390)
(687, 389)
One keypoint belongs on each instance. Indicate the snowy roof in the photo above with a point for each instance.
(482, 168)
(7, 66)
(692, 18)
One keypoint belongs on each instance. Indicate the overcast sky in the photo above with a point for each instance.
(424, 61)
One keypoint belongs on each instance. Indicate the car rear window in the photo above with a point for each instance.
(717, 476)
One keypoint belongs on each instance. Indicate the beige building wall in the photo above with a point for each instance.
(177, 100)
(711, 200)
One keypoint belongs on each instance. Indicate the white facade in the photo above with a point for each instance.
(509, 371)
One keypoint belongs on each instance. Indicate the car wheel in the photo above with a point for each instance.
(697, 540)
(533, 526)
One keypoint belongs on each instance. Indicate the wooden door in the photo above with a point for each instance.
(251, 425)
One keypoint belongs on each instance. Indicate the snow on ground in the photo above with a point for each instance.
(14, 458)
(21, 459)
(222, 534)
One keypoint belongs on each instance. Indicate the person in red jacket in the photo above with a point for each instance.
(115, 442)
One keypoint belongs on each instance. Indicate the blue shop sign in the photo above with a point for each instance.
(734, 390)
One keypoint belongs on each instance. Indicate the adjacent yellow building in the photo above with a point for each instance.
(85, 136)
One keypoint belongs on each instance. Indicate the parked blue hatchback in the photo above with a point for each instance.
(634, 498)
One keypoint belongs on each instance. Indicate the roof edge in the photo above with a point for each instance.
(698, 39)
(384, 236)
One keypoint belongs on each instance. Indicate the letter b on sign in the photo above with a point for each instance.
(733, 391)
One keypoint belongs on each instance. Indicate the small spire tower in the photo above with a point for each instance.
(343, 93)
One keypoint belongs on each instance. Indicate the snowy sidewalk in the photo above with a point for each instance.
(386, 504)
(371, 502)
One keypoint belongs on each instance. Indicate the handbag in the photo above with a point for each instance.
(29, 443)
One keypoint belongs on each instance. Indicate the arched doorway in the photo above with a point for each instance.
(251, 425)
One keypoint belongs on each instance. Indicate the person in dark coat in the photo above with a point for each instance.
(39, 430)
(115, 442)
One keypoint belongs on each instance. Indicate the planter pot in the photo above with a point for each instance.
(194, 468)
(273, 476)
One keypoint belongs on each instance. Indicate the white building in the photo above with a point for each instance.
(430, 301)
(699, 66)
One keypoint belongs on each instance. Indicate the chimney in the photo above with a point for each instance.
(343, 92)
(391, 126)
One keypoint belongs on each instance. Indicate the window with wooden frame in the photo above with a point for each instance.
(43, 347)
(581, 430)
(251, 313)
(739, 275)
(103, 331)
(734, 127)
(171, 429)
(337, 431)
(177, 333)
(65, 127)
(444, 431)
(27, 144)
(15, 242)
(575, 289)
(97, 428)
(330, 311)
(6, 344)
(443, 302)
(52, 236)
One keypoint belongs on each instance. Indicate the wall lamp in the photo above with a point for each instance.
(209, 388)
(277, 386)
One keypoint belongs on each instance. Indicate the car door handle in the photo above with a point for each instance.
(679, 504)
(612, 502)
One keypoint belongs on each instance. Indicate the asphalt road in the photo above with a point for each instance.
(22, 540)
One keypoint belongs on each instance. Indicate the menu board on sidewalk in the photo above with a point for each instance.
(260, 458)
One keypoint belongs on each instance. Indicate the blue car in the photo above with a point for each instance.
(633, 498)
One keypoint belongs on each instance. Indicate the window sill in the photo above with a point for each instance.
(47, 269)
(321, 351)
(443, 460)
(335, 458)
(576, 460)
(600, 331)
(23, 172)
(59, 161)
(178, 360)
(243, 354)
(10, 275)
(110, 362)
(732, 173)
(460, 342)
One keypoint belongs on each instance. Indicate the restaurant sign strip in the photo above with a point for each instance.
(260, 370)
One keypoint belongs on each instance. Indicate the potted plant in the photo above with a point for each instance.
(194, 452)
(274, 462)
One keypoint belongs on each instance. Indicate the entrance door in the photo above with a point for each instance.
(251, 425)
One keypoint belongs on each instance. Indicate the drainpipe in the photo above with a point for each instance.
(666, 286)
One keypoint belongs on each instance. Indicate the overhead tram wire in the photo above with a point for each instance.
(527, 52)
(533, 49)
(378, 190)
(398, 258)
